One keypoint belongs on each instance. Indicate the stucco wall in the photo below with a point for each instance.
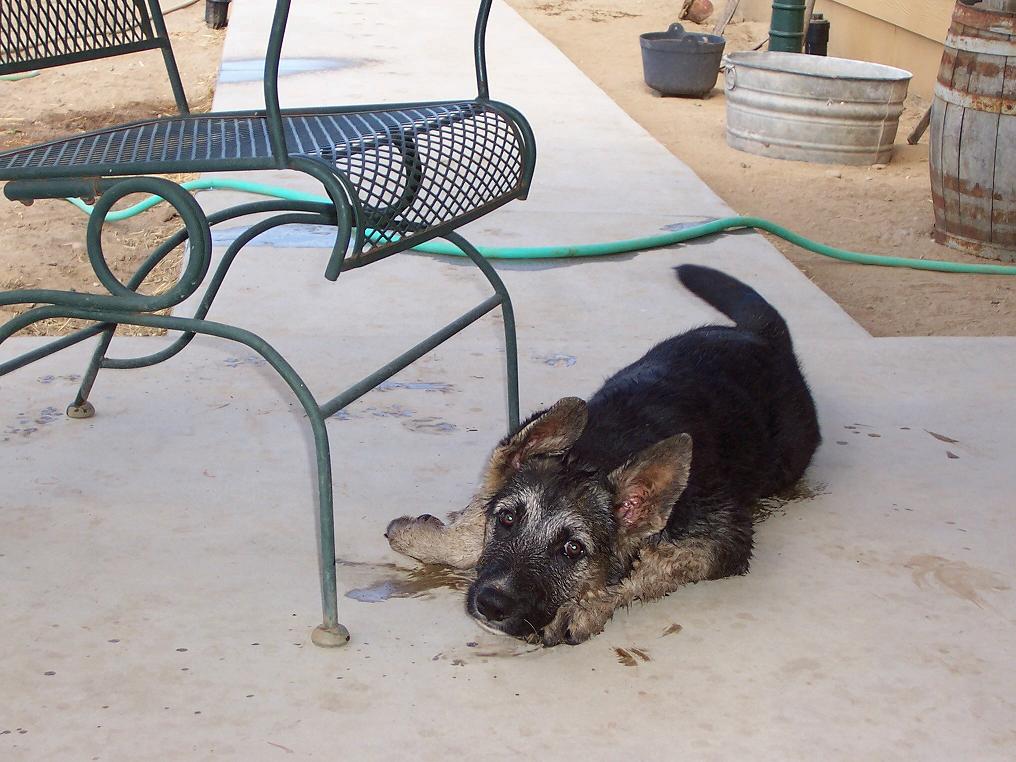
(903, 33)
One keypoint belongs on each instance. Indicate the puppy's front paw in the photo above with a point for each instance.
(576, 622)
(405, 532)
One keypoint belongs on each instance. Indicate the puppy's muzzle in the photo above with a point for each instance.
(494, 604)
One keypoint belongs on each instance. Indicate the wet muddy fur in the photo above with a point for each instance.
(648, 486)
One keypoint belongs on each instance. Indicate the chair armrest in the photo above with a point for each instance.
(480, 49)
(276, 135)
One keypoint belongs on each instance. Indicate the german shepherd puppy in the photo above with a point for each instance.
(648, 486)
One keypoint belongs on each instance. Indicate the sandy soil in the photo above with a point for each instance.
(881, 211)
(42, 246)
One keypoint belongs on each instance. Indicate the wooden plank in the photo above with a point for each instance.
(935, 141)
(977, 173)
(952, 135)
(1003, 211)
(809, 11)
(915, 135)
(977, 152)
(726, 16)
(928, 18)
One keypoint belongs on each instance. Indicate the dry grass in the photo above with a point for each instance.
(130, 249)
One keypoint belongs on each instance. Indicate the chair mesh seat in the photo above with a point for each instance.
(413, 167)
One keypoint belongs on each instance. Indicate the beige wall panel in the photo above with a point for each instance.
(855, 34)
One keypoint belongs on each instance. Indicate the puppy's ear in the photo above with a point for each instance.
(647, 486)
(548, 432)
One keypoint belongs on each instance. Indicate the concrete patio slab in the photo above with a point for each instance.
(158, 595)
(158, 561)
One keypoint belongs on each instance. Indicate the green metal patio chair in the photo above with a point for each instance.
(396, 176)
(37, 34)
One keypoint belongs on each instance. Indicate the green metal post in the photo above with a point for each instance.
(786, 32)
(170, 60)
(507, 313)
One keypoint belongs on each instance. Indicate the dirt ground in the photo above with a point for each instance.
(885, 211)
(43, 246)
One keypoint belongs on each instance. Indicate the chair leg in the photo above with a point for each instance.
(81, 407)
(512, 360)
(329, 634)
(508, 314)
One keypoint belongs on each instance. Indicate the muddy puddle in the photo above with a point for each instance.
(396, 582)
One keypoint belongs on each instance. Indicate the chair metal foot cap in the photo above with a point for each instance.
(329, 637)
(84, 410)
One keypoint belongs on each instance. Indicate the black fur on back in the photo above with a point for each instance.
(737, 390)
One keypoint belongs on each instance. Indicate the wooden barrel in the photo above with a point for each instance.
(973, 135)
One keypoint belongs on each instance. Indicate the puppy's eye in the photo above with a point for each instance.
(506, 519)
(573, 549)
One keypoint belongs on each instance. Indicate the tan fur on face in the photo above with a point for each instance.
(658, 570)
(459, 542)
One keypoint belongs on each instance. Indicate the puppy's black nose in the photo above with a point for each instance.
(493, 604)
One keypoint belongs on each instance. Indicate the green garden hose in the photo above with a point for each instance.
(595, 249)
(19, 76)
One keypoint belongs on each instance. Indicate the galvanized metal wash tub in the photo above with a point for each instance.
(813, 108)
(972, 153)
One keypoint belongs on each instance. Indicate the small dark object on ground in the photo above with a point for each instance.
(217, 13)
(817, 41)
(697, 11)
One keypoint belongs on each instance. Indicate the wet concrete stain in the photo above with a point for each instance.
(27, 424)
(675, 227)
(421, 582)
(423, 424)
(776, 504)
(958, 578)
(291, 236)
(252, 360)
(390, 411)
(253, 69)
(72, 378)
(504, 648)
(672, 630)
(430, 426)
(557, 360)
(422, 386)
(942, 437)
(630, 657)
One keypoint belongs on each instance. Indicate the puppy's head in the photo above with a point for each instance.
(557, 527)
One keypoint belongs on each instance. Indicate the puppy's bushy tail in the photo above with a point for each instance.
(741, 303)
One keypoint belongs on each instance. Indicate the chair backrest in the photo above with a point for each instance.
(37, 34)
(274, 54)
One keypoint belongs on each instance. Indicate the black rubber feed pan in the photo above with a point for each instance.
(677, 62)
